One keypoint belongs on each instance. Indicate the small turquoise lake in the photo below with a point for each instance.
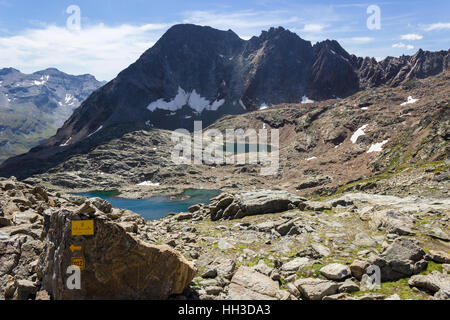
(156, 207)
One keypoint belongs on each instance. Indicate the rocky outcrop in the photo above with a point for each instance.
(118, 266)
(402, 259)
(248, 284)
(37, 247)
(236, 206)
(434, 282)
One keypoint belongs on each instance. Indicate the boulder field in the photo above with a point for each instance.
(259, 245)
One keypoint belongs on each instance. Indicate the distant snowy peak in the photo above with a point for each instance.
(191, 99)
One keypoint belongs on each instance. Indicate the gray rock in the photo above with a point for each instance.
(403, 258)
(224, 245)
(209, 273)
(250, 284)
(117, 265)
(392, 221)
(316, 181)
(358, 268)
(432, 282)
(320, 249)
(439, 256)
(316, 289)
(263, 268)
(363, 239)
(437, 233)
(348, 286)
(296, 264)
(335, 271)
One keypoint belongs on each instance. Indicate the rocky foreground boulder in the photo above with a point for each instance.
(37, 247)
(118, 266)
(239, 205)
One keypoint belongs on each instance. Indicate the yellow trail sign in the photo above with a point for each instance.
(79, 262)
(83, 227)
(74, 248)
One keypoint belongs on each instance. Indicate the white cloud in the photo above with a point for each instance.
(411, 36)
(357, 40)
(98, 49)
(437, 26)
(402, 45)
(398, 45)
(239, 19)
(313, 27)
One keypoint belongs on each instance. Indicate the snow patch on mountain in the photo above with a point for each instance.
(377, 147)
(305, 100)
(409, 101)
(43, 81)
(192, 99)
(360, 132)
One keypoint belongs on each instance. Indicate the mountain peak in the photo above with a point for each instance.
(6, 71)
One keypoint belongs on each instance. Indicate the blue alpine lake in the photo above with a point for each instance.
(156, 207)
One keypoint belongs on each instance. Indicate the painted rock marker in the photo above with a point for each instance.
(82, 227)
(79, 262)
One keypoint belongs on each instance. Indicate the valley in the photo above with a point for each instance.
(358, 208)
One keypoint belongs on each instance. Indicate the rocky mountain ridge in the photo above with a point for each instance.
(200, 73)
(324, 149)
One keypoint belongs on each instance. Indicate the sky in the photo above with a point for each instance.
(112, 34)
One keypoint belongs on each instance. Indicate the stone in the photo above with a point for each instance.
(439, 256)
(102, 205)
(363, 239)
(266, 201)
(247, 283)
(293, 289)
(393, 297)
(194, 208)
(213, 290)
(4, 222)
(348, 286)
(296, 264)
(402, 259)
(437, 233)
(316, 289)
(224, 245)
(43, 295)
(433, 282)
(129, 226)
(392, 221)
(320, 249)
(446, 268)
(263, 268)
(358, 268)
(25, 290)
(316, 181)
(183, 216)
(284, 228)
(335, 271)
(117, 265)
(225, 267)
(209, 273)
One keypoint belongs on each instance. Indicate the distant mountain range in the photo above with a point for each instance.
(200, 73)
(34, 106)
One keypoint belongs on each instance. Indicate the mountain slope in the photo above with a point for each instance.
(324, 148)
(200, 73)
(33, 106)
